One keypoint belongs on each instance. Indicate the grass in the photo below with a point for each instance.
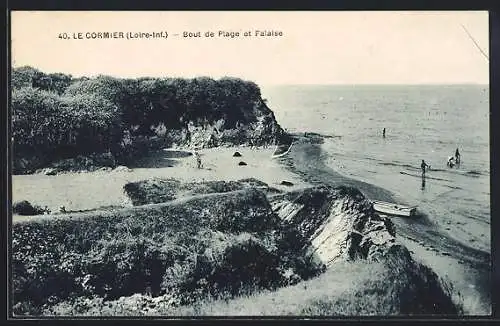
(24, 207)
(206, 245)
(360, 288)
(159, 190)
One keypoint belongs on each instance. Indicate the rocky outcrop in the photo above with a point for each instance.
(259, 128)
(131, 117)
(158, 190)
(81, 163)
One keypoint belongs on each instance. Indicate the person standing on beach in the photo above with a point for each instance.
(457, 157)
(424, 166)
(198, 159)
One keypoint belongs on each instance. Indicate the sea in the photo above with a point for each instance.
(422, 122)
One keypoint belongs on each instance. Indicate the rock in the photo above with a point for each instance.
(334, 224)
(444, 253)
(236, 154)
(286, 183)
(103, 159)
(122, 168)
(49, 171)
(242, 163)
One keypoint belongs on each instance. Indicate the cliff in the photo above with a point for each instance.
(57, 117)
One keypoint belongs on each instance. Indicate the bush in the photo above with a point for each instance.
(118, 253)
(24, 207)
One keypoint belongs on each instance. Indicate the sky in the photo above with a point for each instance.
(316, 47)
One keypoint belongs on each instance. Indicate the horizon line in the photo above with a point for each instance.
(264, 84)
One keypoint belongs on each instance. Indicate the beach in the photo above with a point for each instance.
(91, 190)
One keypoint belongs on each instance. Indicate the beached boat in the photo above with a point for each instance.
(281, 150)
(393, 209)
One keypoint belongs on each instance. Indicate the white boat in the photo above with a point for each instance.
(278, 151)
(393, 209)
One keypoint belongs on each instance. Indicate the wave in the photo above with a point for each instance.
(454, 187)
(408, 166)
(474, 172)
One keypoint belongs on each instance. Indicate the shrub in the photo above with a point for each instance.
(24, 207)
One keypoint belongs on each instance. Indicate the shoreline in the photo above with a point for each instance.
(467, 268)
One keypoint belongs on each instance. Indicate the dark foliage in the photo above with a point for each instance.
(224, 243)
(157, 190)
(24, 207)
(56, 116)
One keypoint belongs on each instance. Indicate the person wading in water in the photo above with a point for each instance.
(383, 133)
(424, 166)
(457, 157)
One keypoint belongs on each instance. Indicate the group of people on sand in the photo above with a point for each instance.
(452, 161)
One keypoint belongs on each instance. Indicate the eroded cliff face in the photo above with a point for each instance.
(258, 128)
(323, 223)
(335, 223)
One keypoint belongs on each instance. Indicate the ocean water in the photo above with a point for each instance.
(423, 122)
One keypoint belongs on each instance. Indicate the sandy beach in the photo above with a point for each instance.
(89, 190)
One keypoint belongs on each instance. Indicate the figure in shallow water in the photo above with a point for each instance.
(451, 162)
(424, 166)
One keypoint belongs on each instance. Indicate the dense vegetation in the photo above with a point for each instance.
(57, 116)
(216, 245)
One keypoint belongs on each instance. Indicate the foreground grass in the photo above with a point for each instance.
(220, 243)
(360, 288)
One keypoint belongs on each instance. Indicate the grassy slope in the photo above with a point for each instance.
(208, 247)
(395, 286)
(361, 288)
(214, 242)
